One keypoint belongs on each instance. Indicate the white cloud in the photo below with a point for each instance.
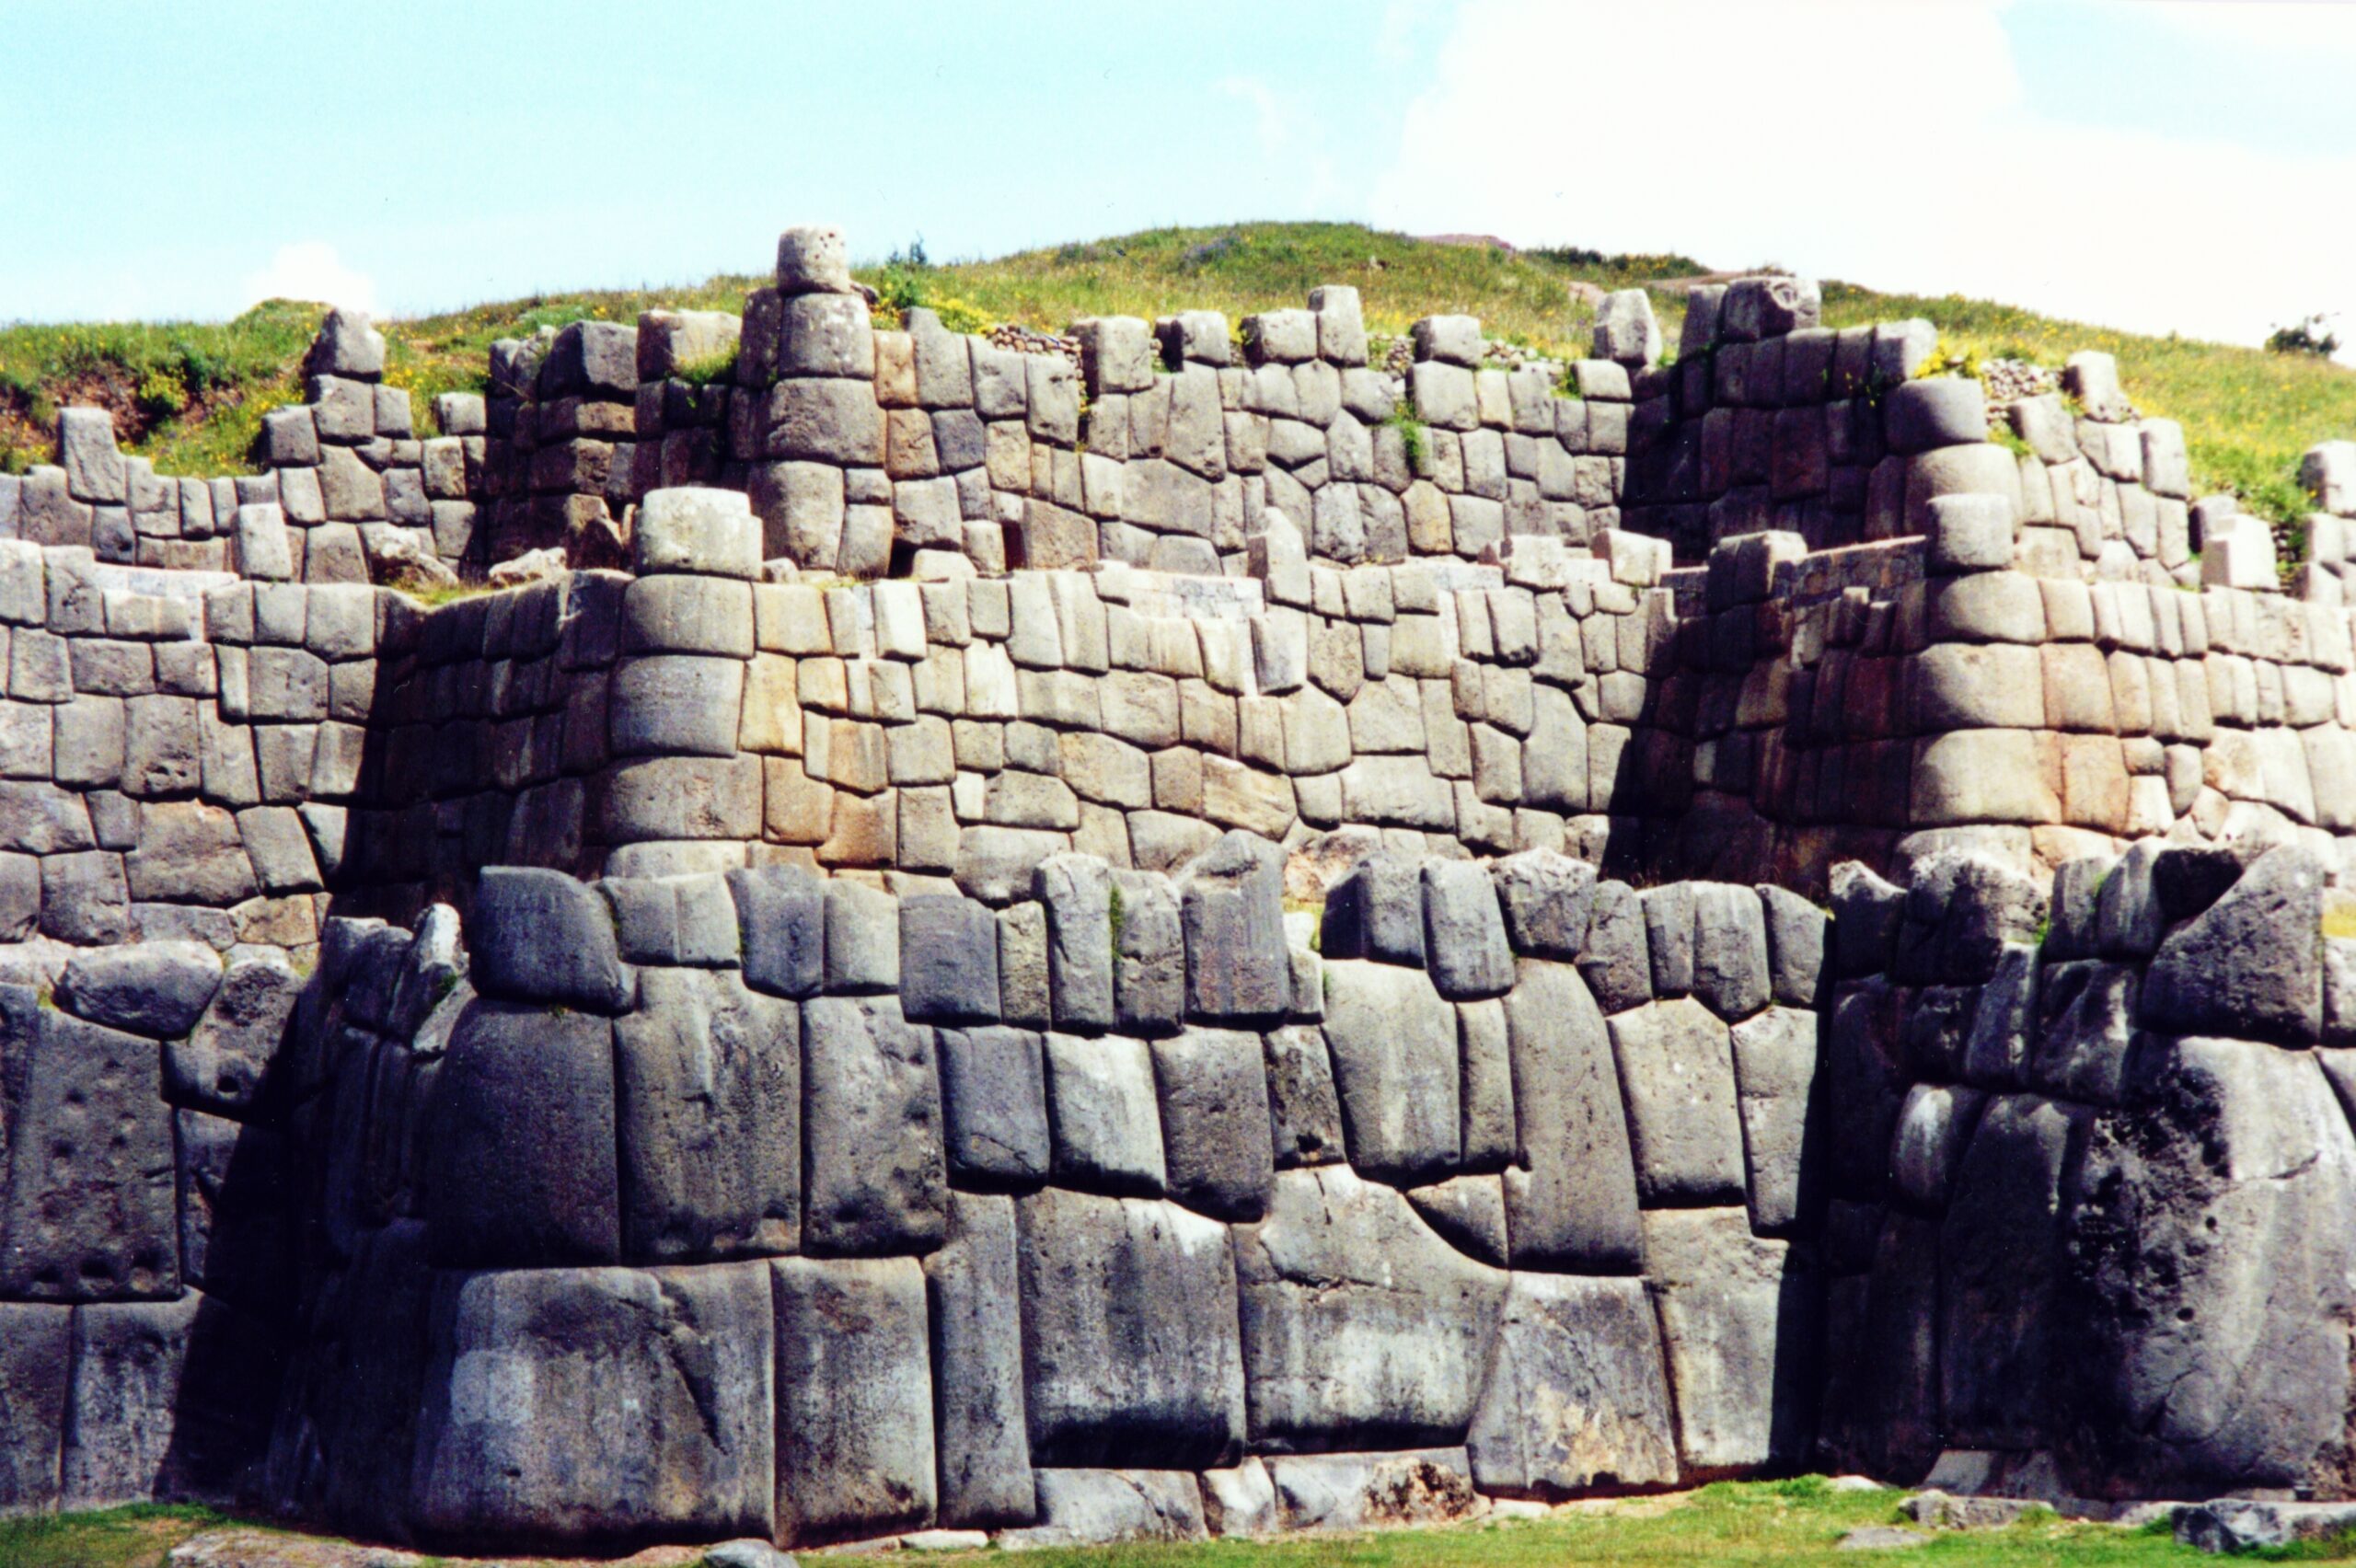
(311, 270)
(1887, 143)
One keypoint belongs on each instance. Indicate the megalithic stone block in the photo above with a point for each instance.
(1232, 895)
(1571, 1194)
(877, 1173)
(1579, 1397)
(973, 1293)
(854, 1399)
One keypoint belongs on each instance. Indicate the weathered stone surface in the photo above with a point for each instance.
(1101, 1107)
(1732, 974)
(1376, 911)
(1395, 1065)
(1360, 1325)
(526, 1370)
(994, 1105)
(1464, 932)
(1148, 953)
(2251, 965)
(973, 1293)
(1304, 1110)
(159, 989)
(1795, 945)
(948, 960)
(1078, 892)
(1377, 1490)
(1571, 1198)
(878, 1176)
(1776, 1071)
(707, 1108)
(1240, 1502)
(2085, 1029)
(781, 929)
(2000, 1249)
(1469, 1213)
(688, 529)
(522, 1141)
(863, 940)
(1685, 1123)
(1097, 1507)
(1233, 903)
(1738, 1314)
(1131, 1347)
(854, 1398)
(539, 935)
(225, 1061)
(2201, 1330)
(1547, 899)
(170, 1400)
(91, 1213)
(236, 1234)
(1579, 1396)
(1617, 960)
(36, 1354)
(1214, 1122)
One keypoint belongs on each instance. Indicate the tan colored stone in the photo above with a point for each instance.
(795, 809)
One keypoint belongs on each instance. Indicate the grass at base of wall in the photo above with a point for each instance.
(1793, 1522)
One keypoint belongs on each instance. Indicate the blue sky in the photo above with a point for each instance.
(2156, 165)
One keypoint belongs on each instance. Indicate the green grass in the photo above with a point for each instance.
(2247, 413)
(1794, 1522)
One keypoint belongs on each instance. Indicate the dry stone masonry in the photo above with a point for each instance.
(1195, 938)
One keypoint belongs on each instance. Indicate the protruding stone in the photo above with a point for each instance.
(539, 935)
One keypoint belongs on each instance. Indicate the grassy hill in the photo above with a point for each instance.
(191, 395)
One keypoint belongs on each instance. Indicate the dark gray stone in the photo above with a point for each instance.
(2129, 923)
(2085, 1026)
(1571, 1202)
(539, 935)
(708, 1109)
(2001, 1249)
(1488, 1134)
(1548, 899)
(1394, 1045)
(236, 1233)
(1304, 1112)
(1865, 914)
(1362, 1327)
(1580, 1398)
(1129, 1316)
(522, 1141)
(1864, 1086)
(225, 1062)
(1465, 933)
(781, 921)
(1617, 961)
(1732, 975)
(1149, 953)
(1078, 892)
(36, 1353)
(1740, 1317)
(2187, 877)
(854, 1399)
(1943, 411)
(159, 989)
(1962, 911)
(1668, 910)
(2250, 966)
(1934, 1126)
(1677, 1071)
(527, 1367)
(1214, 1114)
(973, 1289)
(1469, 1213)
(2004, 1021)
(1774, 1071)
(862, 939)
(994, 1106)
(1376, 911)
(1232, 906)
(89, 1213)
(2071, 920)
(170, 1401)
(670, 704)
(2201, 1330)
(877, 1176)
(948, 960)
(1100, 1106)
(1795, 944)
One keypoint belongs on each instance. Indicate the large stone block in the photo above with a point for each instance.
(1097, 1507)
(682, 797)
(949, 970)
(1215, 1142)
(1740, 1317)
(36, 1354)
(236, 1228)
(1571, 1198)
(1395, 1065)
(1362, 1328)
(521, 1141)
(541, 936)
(1578, 1399)
(854, 1399)
(224, 1064)
(1548, 899)
(91, 1213)
(994, 1106)
(973, 1289)
(673, 703)
(708, 1109)
(1232, 906)
(1304, 1112)
(1464, 931)
(2201, 1330)
(2001, 1249)
(1131, 1348)
(157, 988)
(781, 928)
(1677, 1069)
(878, 1177)
(2250, 966)
(170, 1401)
(1374, 1491)
(1774, 1071)
(1078, 892)
(599, 1407)
(1101, 1107)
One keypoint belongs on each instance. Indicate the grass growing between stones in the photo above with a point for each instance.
(192, 395)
